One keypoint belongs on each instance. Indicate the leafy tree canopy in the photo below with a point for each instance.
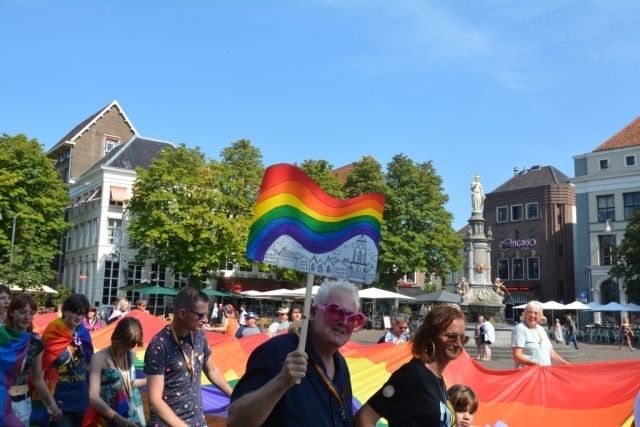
(191, 214)
(32, 194)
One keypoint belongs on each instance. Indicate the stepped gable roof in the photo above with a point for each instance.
(137, 152)
(86, 123)
(534, 177)
(629, 136)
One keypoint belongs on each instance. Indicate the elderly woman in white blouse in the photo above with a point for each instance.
(529, 341)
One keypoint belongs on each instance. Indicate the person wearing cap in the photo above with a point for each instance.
(282, 324)
(284, 386)
(250, 328)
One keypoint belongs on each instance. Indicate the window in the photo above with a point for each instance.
(503, 269)
(158, 275)
(516, 213)
(110, 142)
(630, 160)
(110, 288)
(502, 214)
(607, 243)
(117, 196)
(606, 208)
(410, 277)
(533, 268)
(631, 203)
(114, 231)
(532, 210)
(134, 277)
(517, 266)
(604, 164)
(560, 250)
(180, 280)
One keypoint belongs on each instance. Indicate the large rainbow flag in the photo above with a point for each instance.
(584, 394)
(297, 225)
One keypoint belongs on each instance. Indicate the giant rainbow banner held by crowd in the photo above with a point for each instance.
(298, 226)
(584, 394)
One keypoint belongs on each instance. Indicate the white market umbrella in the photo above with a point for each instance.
(577, 305)
(301, 291)
(593, 306)
(251, 294)
(612, 306)
(632, 307)
(552, 305)
(521, 306)
(377, 293)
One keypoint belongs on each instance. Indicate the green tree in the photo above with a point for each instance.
(320, 172)
(192, 214)
(416, 234)
(32, 202)
(627, 256)
(366, 176)
(173, 213)
(239, 176)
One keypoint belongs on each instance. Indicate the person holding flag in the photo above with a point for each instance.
(281, 380)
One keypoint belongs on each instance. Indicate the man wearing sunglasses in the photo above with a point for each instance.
(174, 361)
(286, 387)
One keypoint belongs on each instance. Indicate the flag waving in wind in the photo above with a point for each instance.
(297, 225)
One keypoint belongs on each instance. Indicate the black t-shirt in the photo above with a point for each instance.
(414, 396)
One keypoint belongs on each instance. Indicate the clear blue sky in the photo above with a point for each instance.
(474, 86)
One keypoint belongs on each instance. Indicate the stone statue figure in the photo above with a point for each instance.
(463, 287)
(477, 195)
(499, 287)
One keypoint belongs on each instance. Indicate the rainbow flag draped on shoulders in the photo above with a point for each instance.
(297, 225)
(13, 350)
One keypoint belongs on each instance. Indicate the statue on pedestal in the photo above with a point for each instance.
(477, 195)
(499, 287)
(463, 287)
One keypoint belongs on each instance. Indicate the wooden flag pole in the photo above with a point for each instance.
(306, 313)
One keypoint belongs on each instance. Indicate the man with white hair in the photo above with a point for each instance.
(269, 394)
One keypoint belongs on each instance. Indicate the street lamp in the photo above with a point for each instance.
(13, 235)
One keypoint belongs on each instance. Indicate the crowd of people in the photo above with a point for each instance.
(75, 387)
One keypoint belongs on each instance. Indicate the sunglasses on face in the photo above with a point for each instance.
(453, 338)
(200, 316)
(335, 314)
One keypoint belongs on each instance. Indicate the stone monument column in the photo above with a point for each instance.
(480, 299)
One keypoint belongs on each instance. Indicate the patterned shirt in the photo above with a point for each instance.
(35, 348)
(172, 359)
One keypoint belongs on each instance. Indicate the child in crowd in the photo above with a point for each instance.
(464, 402)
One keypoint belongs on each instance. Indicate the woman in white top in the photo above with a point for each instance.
(529, 341)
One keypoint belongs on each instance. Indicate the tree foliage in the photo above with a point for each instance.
(191, 214)
(627, 256)
(31, 193)
(320, 172)
(417, 234)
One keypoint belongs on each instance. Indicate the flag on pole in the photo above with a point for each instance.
(298, 226)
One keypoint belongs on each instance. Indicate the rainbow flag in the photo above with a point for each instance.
(297, 225)
(13, 349)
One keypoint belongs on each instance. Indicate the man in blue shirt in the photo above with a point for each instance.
(269, 395)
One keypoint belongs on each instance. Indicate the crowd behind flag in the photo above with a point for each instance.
(574, 394)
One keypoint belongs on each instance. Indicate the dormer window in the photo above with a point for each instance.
(604, 164)
(110, 142)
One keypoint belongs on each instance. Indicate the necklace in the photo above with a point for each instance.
(189, 362)
(124, 373)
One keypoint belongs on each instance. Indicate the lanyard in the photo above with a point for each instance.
(124, 373)
(189, 362)
(332, 390)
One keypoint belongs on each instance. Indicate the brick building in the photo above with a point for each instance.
(532, 218)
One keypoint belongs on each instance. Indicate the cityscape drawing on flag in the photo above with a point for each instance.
(355, 260)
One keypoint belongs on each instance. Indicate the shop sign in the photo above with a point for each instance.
(525, 244)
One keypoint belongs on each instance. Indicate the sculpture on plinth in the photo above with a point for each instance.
(463, 287)
(477, 195)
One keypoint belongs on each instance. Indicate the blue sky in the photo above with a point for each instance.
(474, 86)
